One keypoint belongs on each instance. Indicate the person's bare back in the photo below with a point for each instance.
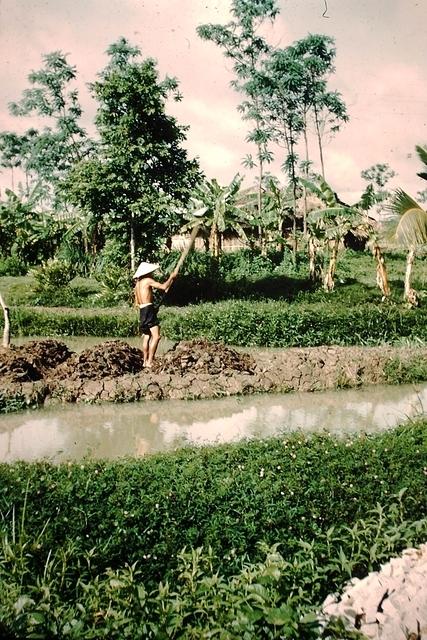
(144, 288)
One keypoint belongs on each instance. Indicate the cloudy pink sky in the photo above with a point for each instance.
(381, 72)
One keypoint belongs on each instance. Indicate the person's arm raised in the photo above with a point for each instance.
(165, 286)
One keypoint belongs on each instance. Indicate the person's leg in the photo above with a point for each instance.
(145, 345)
(153, 344)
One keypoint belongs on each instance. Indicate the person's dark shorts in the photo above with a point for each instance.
(147, 319)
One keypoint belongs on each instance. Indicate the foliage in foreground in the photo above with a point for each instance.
(227, 497)
(275, 597)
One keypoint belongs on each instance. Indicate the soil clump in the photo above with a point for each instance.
(110, 359)
(202, 356)
(31, 361)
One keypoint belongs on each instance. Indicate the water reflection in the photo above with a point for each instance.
(112, 431)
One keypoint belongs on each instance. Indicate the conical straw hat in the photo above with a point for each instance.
(144, 269)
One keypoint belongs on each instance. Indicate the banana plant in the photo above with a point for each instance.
(410, 231)
(328, 225)
(216, 210)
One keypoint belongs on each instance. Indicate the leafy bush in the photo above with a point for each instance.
(272, 598)
(52, 274)
(116, 286)
(10, 403)
(12, 266)
(83, 547)
(240, 274)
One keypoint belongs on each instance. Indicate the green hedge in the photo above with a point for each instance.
(274, 324)
(270, 324)
(33, 321)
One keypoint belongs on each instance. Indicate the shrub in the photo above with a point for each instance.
(52, 274)
(273, 324)
(12, 266)
(116, 286)
(31, 321)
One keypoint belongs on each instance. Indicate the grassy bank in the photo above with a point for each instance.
(86, 545)
(243, 323)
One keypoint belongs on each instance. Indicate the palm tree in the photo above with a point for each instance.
(411, 232)
(422, 154)
(216, 210)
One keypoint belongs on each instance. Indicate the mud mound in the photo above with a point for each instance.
(31, 361)
(202, 356)
(109, 359)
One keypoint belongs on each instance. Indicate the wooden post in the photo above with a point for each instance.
(6, 330)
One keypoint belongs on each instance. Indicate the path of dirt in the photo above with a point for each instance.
(46, 371)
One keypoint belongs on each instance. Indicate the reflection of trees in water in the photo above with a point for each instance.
(112, 431)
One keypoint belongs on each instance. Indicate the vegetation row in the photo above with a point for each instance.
(242, 323)
(96, 549)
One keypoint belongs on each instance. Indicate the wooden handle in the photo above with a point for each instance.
(187, 248)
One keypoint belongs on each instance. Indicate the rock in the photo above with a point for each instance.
(390, 604)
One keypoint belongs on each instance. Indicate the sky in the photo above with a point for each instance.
(381, 73)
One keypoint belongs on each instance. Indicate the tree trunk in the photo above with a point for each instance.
(214, 242)
(382, 278)
(328, 283)
(410, 295)
(132, 244)
(262, 237)
(319, 141)
(6, 329)
(306, 176)
(314, 267)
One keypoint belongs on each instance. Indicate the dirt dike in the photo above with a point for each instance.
(47, 372)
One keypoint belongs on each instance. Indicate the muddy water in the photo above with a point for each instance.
(73, 432)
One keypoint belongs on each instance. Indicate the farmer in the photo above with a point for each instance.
(148, 323)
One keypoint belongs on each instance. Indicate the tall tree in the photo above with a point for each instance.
(378, 175)
(48, 154)
(242, 43)
(141, 168)
(10, 153)
(281, 83)
(316, 53)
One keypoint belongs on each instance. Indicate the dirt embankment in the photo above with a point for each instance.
(46, 371)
